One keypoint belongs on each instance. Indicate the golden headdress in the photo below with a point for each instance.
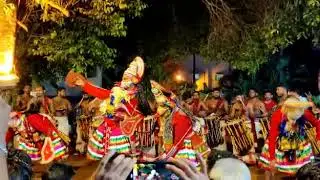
(156, 86)
(161, 99)
(134, 72)
(293, 108)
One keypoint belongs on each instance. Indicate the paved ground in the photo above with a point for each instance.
(85, 168)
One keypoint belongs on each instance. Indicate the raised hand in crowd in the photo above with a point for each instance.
(186, 170)
(114, 167)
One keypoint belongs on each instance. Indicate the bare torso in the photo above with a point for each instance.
(61, 106)
(217, 106)
(256, 108)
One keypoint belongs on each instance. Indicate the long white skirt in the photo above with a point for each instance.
(63, 125)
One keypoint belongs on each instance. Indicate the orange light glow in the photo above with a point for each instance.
(179, 77)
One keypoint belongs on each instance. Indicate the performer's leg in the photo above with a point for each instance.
(80, 144)
(254, 132)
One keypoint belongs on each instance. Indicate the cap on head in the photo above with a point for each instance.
(293, 108)
(135, 71)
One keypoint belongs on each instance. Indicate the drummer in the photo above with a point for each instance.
(256, 109)
(197, 106)
(217, 105)
(238, 108)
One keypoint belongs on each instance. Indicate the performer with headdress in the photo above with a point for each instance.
(180, 132)
(287, 148)
(37, 136)
(120, 108)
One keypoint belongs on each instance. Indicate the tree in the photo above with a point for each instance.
(80, 39)
(169, 29)
(246, 33)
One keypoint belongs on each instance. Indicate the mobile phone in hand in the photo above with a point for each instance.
(151, 170)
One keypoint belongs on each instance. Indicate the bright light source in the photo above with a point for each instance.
(179, 77)
(7, 45)
(6, 61)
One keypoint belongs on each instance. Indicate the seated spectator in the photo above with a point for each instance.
(309, 171)
(230, 169)
(19, 165)
(59, 171)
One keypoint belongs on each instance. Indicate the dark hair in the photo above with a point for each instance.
(283, 86)
(34, 108)
(268, 91)
(294, 88)
(19, 165)
(186, 95)
(59, 171)
(216, 155)
(309, 171)
(215, 89)
(195, 92)
(145, 94)
(61, 89)
(254, 89)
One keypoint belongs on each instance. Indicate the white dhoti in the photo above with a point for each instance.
(63, 125)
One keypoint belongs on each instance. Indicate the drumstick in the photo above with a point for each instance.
(236, 143)
(206, 97)
(241, 140)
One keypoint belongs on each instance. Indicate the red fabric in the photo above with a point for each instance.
(132, 106)
(42, 124)
(96, 91)
(274, 132)
(181, 123)
(111, 124)
(9, 135)
(276, 119)
(269, 105)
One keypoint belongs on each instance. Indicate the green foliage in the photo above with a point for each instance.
(296, 19)
(82, 40)
(247, 41)
(77, 45)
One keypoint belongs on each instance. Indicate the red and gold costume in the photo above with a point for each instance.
(181, 135)
(119, 107)
(38, 137)
(287, 144)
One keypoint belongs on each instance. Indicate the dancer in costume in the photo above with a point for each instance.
(287, 148)
(120, 108)
(181, 132)
(37, 136)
